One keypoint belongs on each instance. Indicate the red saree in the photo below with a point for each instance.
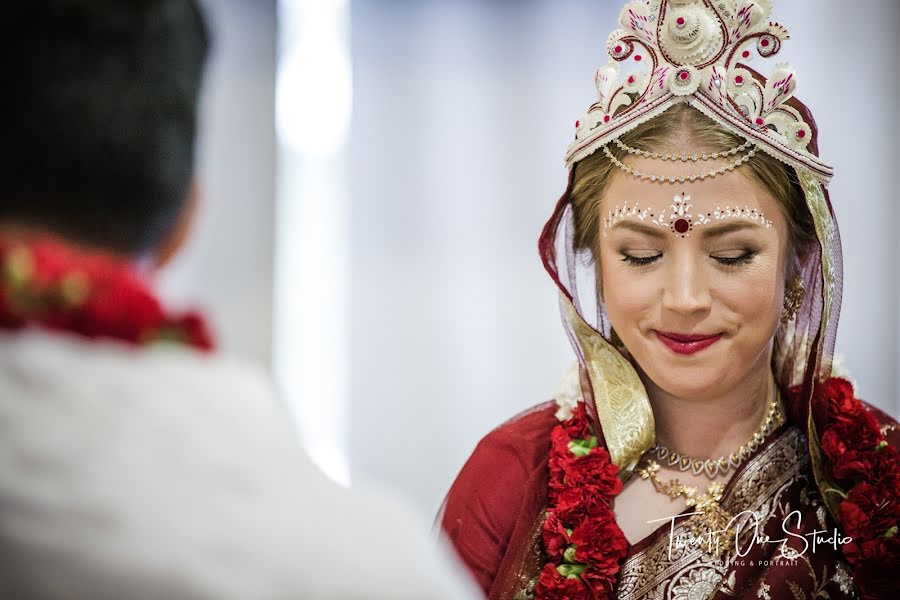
(496, 529)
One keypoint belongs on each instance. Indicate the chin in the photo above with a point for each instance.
(684, 375)
(693, 388)
(695, 382)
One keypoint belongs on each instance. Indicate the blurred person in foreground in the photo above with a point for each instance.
(135, 462)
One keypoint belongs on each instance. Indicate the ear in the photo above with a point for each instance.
(181, 229)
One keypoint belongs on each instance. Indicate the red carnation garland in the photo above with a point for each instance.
(586, 546)
(46, 282)
(860, 459)
(580, 534)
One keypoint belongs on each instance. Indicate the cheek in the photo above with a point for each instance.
(626, 293)
(754, 296)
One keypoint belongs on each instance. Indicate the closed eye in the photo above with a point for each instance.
(640, 261)
(728, 261)
(736, 261)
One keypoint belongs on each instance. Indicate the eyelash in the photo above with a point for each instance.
(639, 261)
(643, 261)
(737, 261)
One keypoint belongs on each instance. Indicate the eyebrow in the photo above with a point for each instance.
(707, 231)
(718, 230)
(652, 231)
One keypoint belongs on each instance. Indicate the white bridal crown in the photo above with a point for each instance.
(692, 51)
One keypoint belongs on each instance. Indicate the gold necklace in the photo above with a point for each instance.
(712, 520)
(713, 467)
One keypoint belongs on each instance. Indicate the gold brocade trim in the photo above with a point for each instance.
(531, 563)
(825, 231)
(623, 406)
(691, 571)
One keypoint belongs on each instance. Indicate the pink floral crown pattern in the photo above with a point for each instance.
(691, 50)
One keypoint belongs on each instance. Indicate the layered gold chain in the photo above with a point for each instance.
(713, 519)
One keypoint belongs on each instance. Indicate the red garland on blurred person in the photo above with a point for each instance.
(47, 283)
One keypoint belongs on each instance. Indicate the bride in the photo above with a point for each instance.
(703, 447)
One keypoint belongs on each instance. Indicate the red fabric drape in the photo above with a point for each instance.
(493, 508)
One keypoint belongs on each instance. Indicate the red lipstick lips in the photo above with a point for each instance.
(686, 343)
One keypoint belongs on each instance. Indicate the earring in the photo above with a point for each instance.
(793, 299)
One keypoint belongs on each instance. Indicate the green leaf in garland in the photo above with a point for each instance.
(571, 571)
(582, 447)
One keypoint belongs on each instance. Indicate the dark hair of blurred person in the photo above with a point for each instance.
(97, 141)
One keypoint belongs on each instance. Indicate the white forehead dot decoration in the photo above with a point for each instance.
(620, 213)
(750, 214)
(679, 219)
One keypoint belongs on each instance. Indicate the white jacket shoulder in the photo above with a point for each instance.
(149, 473)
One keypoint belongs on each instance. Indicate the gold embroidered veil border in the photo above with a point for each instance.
(621, 400)
(826, 231)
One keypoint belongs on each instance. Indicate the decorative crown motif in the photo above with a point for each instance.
(691, 50)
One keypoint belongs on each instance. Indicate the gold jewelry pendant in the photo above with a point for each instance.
(708, 528)
(712, 522)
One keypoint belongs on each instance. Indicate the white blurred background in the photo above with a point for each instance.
(378, 209)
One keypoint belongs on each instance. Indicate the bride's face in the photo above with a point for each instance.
(693, 277)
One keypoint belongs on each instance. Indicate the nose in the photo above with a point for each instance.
(686, 289)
